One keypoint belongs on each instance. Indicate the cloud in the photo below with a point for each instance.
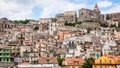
(22, 9)
(58, 6)
(104, 3)
(113, 9)
(15, 9)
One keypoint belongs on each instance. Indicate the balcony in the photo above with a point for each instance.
(5, 55)
(5, 51)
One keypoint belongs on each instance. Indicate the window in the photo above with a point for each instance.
(105, 66)
(110, 62)
(100, 61)
(82, 13)
(95, 66)
(105, 60)
(100, 66)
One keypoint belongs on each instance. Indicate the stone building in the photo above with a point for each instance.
(70, 16)
(5, 23)
(113, 16)
(67, 16)
(60, 18)
(47, 20)
(87, 14)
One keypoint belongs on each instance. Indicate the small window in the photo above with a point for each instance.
(110, 62)
(82, 13)
(100, 66)
(100, 61)
(105, 60)
(95, 66)
(105, 66)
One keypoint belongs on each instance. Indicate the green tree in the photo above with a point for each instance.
(60, 60)
(113, 26)
(88, 21)
(72, 24)
(36, 28)
(87, 63)
(78, 22)
(22, 21)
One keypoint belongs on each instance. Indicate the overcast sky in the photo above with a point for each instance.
(35, 9)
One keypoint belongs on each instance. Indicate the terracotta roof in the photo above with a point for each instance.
(25, 62)
(46, 60)
(26, 40)
(4, 46)
(117, 58)
(71, 61)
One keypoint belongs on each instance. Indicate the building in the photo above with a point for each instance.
(34, 22)
(67, 16)
(70, 16)
(5, 23)
(73, 62)
(5, 53)
(5, 56)
(112, 19)
(64, 34)
(43, 62)
(60, 18)
(104, 62)
(54, 28)
(113, 16)
(107, 61)
(87, 14)
(47, 20)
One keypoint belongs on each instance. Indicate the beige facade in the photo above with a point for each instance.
(67, 16)
(5, 23)
(87, 14)
(70, 16)
(113, 16)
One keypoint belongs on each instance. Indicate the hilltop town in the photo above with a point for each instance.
(69, 40)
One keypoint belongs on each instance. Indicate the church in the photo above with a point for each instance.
(88, 14)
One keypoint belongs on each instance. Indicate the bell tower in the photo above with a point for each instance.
(97, 12)
(96, 8)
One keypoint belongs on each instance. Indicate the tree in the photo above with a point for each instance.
(72, 24)
(87, 63)
(22, 21)
(36, 28)
(88, 21)
(60, 60)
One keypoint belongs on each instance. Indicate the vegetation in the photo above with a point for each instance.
(113, 26)
(60, 60)
(89, 21)
(75, 23)
(22, 21)
(72, 24)
(87, 63)
(36, 28)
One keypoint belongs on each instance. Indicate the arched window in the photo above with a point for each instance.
(82, 13)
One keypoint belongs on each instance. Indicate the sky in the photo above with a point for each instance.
(35, 9)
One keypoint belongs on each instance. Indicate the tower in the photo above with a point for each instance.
(97, 12)
(96, 8)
